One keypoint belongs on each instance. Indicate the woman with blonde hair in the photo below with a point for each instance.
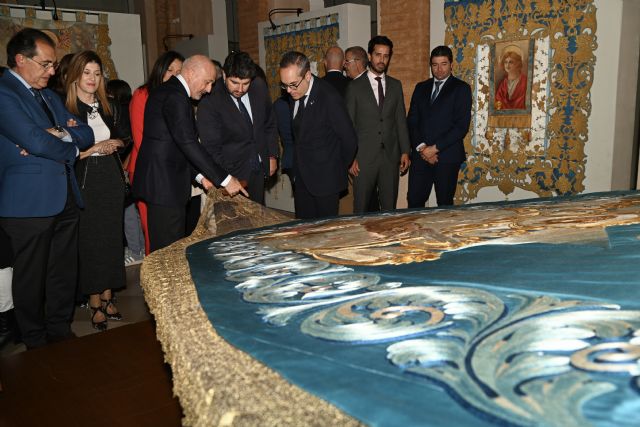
(99, 173)
(511, 92)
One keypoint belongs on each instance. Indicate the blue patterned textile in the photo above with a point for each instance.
(524, 313)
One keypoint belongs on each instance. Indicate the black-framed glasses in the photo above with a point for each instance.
(47, 65)
(292, 86)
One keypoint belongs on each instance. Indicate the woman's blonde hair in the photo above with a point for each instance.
(76, 68)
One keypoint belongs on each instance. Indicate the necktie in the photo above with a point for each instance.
(380, 93)
(38, 95)
(297, 120)
(244, 111)
(435, 93)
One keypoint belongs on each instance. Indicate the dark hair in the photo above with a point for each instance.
(24, 42)
(119, 90)
(298, 59)
(383, 40)
(240, 65)
(2, 70)
(160, 67)
(57, 81)
(442, 51)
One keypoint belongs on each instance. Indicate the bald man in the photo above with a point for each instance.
(171, 156)
(333, 63)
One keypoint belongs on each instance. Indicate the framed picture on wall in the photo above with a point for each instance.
(510, 74)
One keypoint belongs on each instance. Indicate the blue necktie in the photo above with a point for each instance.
(244, 111)
(38, 95)
(436, 92)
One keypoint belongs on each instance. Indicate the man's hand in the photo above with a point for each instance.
(234, 187)
(354, 169)
(273, 165)
(404, 163)
(430, 154)
(206, 184)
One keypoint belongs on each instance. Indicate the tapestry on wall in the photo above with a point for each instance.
(70, 36)
(311, 36)
(531, 65)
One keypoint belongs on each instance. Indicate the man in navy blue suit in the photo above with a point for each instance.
(438, 121)
(39, 197)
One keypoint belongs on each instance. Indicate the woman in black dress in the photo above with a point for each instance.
(101, 266)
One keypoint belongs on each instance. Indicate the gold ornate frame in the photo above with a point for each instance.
(546, 157)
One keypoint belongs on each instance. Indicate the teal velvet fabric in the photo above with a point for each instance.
(537, 325)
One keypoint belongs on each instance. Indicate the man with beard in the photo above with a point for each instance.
(237, 125)
(376, 105)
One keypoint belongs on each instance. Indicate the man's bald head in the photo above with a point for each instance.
(200, 74)
(334, 58)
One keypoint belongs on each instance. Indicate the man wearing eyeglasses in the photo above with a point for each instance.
(355, 61)
(39, 197)
(325, 142)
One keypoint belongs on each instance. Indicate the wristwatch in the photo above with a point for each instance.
(59, 129)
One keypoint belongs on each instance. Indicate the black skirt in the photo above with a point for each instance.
(100, 233)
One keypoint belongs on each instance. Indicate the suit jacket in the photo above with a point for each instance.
(283, 119)
(170, 154)
(232, 142)
(35, 185)
(327, 142)
(338, 81)
(386, 129)
(443, 123)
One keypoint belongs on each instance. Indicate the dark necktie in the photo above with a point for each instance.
(380, 93)
(297, 120)
(38, 95)
(244, 111)
(435, 93)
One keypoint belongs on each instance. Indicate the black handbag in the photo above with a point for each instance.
(128, 196)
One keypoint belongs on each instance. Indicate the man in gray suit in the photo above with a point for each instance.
(376, 105)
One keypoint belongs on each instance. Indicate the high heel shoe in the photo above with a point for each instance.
(105, 305)
(100, 326)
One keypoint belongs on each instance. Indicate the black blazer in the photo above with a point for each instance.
(227, 136)
(443, 123)
(327, 144)
(170, 154)
(338, 81)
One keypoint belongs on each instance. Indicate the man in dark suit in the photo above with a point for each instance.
(333, 63)
(170, 155)
(376, 105)
(438, 121)
(237, 126)
(39, 197)
(324, 139)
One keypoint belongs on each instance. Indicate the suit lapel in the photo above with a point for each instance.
(26, 94)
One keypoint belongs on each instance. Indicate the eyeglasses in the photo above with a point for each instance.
(47, 65)
(349, 61)
(292, 86)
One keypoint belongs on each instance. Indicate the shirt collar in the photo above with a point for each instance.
(20, 79)
(443, 80)
(309, 90)
(372, 75)
(184, 83)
